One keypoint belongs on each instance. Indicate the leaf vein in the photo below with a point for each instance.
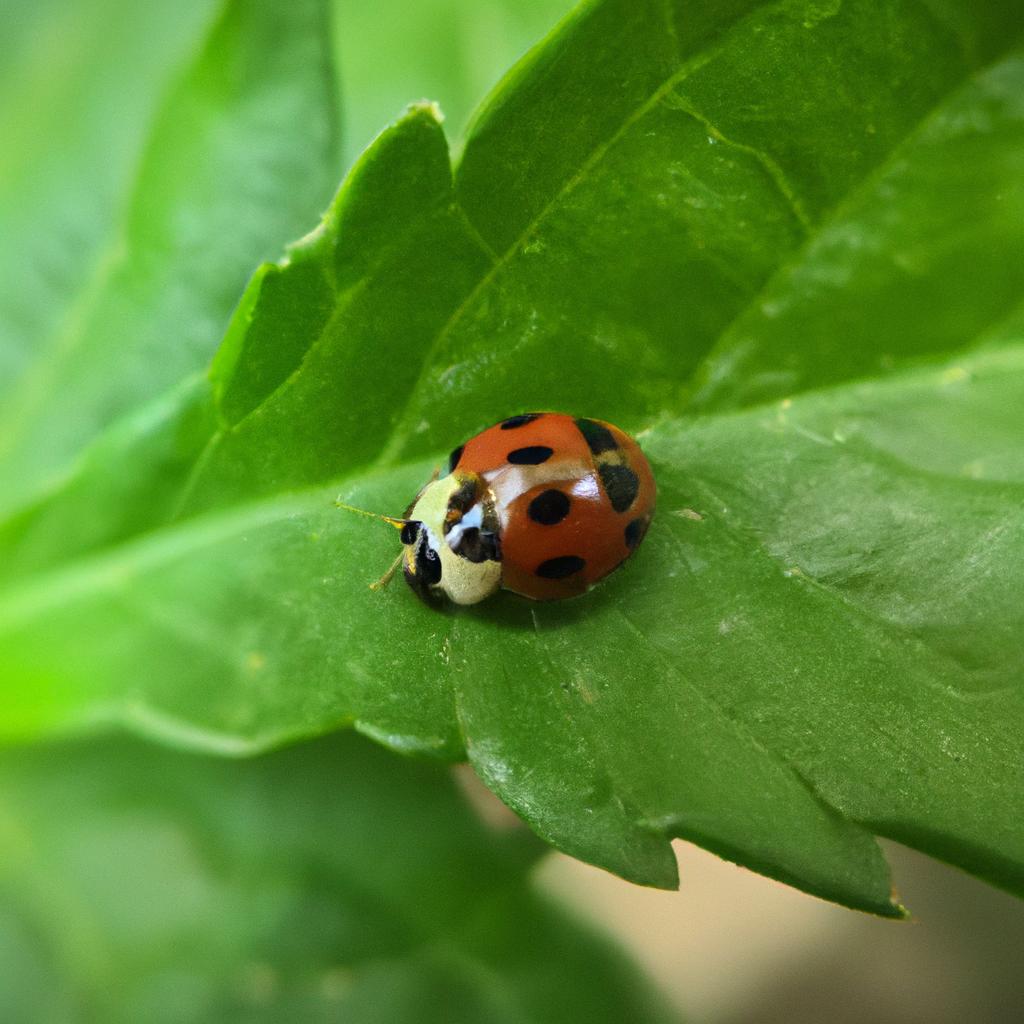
(687, 68)
(700, 391)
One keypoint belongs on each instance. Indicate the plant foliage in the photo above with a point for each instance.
(309, 885)
(783, 242)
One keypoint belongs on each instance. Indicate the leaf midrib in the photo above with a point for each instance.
(122, 561)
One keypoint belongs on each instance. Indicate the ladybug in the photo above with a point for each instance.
(542, 504)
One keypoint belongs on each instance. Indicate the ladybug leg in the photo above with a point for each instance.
(386, 578)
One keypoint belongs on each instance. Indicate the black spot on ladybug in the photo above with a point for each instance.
(549, 508)
(635, 531)
(476, 545)
(409, 531)
(428, 564)
(533, 455)
(621, 484)
(598, 437)
(453, 459)
(559, 568)
(520, 421)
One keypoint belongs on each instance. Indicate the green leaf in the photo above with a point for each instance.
(313, 884)
(393, 51)
(61, 188)
(128, 237)
(663, 218)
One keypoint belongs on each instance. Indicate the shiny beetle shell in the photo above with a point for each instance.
(542, 504)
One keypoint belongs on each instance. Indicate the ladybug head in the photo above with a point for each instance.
(451, 539)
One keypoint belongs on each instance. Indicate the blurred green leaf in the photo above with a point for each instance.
(313, 884)
(662, 217)
(152, 154)
(73, 134)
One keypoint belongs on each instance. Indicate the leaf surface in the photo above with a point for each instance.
(750, 253)
(310, 885)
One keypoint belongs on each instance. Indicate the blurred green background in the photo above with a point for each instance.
(115, 865)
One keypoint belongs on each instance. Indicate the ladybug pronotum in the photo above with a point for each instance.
(542, 504)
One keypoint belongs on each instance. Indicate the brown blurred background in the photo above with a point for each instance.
(732, 947)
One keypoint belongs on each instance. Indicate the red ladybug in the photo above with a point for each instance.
(542, 504)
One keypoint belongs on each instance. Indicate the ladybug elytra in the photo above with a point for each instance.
(542, 504)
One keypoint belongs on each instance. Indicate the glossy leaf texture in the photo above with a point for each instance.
(153, 154)
(309, 885)
(782, 245)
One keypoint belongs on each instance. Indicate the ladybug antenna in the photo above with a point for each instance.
(396, 523)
